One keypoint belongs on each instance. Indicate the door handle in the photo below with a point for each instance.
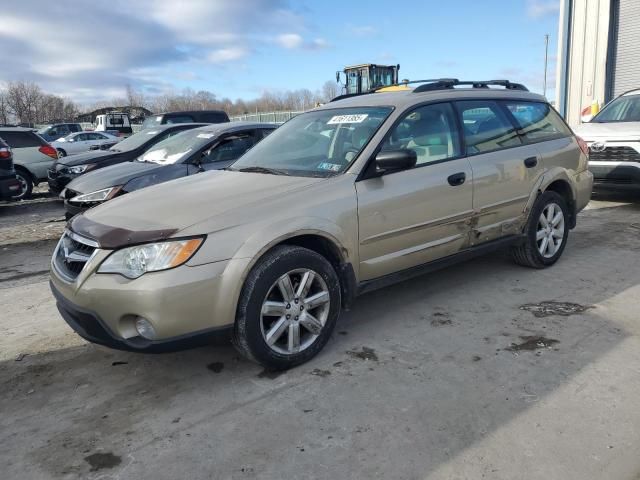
(530, 162)
(456, 179)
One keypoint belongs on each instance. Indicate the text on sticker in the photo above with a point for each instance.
(358, 118)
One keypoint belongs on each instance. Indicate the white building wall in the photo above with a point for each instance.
(582, 56)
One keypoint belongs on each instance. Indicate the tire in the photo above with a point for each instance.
(262, 293)
(530, 252)
(61, 153)
(26, 184)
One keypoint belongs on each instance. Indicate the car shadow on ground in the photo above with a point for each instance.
(418, 372)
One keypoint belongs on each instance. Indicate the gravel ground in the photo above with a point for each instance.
(484, 370)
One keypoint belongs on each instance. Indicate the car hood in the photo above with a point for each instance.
(594, 131)
(118, 174)
(162, 210)
(88, 157)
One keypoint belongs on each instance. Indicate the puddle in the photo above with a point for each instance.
(366, 354)
(100, 461)
(547, 309)
(532, 343)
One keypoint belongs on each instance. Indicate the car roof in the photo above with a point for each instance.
(167, 126)
(183, 112)
(635, 91)
(407, 98)
(16, 129)
(220, 128)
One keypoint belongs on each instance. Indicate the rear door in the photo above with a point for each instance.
(505, 169)
(414, 216)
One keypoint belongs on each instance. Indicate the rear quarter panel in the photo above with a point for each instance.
(33, 160)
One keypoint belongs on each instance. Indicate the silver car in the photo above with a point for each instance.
(32, 157)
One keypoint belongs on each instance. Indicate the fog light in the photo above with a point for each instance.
(145, 329)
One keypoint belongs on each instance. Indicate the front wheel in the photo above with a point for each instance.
(288, 308)
(546, 232)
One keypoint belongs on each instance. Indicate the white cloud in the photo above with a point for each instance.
(290, 40)
(293, 41)
(230, 54)
(542, 8)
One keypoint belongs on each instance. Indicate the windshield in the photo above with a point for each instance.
(622, 109)
(152, 121)
(319, 143)
(178, 147)
(135, 140)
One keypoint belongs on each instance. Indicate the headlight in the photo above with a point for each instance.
(135, 261)
(98, 195)
(78, 169)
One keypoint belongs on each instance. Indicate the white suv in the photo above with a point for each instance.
(613, 136)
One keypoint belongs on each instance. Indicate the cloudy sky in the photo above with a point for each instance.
(89, 51)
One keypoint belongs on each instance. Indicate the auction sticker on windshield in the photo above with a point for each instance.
(357, 118)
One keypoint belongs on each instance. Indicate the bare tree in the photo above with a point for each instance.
(330, 90)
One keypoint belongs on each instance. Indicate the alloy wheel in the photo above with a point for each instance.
(295, 311)
(550, 232)
(24, 186)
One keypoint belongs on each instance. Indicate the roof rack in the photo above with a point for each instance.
(446, 83)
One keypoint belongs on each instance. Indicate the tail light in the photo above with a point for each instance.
(5, 152)
(49, 151)
(583, 146)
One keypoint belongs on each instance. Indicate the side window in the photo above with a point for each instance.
(430, 131)
(75, 128)
(486, 127)
(230, 148)
(537, 121)
(82, 137)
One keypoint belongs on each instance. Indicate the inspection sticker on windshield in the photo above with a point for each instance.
(330, 166)
(205, 135)
(359, 118)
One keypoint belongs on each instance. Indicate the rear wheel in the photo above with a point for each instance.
(26, 185)
(288, 308)
(546, 232)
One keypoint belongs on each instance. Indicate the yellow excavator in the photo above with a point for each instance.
(367, 77)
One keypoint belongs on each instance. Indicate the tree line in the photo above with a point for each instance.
(24, 102)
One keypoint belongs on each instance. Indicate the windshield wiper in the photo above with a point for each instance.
(256, 169)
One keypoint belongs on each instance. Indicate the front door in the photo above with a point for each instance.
(414, 216)
(505, 169)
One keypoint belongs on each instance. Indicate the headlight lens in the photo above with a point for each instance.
(98, 195)
(79, 168)
(135, 261)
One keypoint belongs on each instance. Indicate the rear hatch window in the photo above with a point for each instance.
(22, 139)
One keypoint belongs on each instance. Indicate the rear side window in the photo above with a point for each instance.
(217, 117)
(22, 139)
(486, 127)
(537, 121)
(75, 128)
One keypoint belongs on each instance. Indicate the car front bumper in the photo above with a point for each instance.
(57, 181)
(186, 305)
(612, 173)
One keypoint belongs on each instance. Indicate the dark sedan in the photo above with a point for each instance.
(206, 148)
(66, 169)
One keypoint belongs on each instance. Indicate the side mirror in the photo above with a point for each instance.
(395, 160)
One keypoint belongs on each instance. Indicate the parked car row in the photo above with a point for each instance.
(351, 196)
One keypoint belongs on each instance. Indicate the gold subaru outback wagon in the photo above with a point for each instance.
(356, 194)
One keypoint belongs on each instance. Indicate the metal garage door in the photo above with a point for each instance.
(626, 34)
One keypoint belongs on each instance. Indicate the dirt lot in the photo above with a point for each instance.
(485, 370)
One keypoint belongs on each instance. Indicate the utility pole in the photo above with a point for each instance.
(546, 59)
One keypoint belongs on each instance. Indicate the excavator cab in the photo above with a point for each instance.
(368, 77)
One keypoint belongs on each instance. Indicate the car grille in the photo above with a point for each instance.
(72, 253)
(615, 154)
